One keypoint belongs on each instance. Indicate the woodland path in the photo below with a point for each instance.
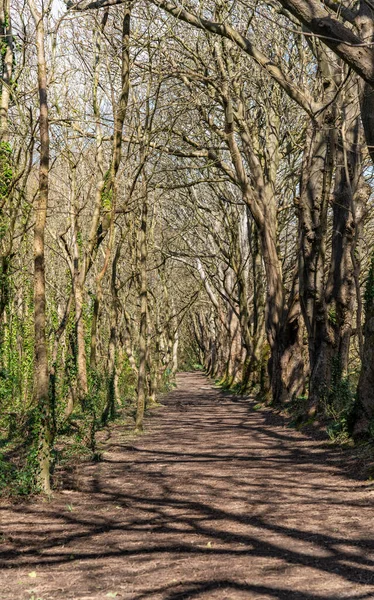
(215, 501)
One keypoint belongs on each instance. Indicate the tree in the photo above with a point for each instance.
(45, 410)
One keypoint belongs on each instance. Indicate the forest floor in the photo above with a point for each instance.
(215, 501)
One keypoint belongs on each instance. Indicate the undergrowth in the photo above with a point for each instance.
(336, 411)
(75, 440)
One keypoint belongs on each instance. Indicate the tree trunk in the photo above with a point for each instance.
(126, 341)
(79, 277)
(364, 417)
(365, 24)
(316, 184)
(110, 408)
(257, 366)
(41, 379)
(287, 364)
(282, 325)
(174, 358)
(350, 199)
(7, 67)
(93, 339)
(142, 371)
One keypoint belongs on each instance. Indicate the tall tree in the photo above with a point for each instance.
(45, 410)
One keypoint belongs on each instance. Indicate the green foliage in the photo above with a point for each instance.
(6, 168)
(20, 424)
(16, 372)
(19, 461)
(236, 388)
(189, 359)
(338, 404)
(332, 316)
(297, 408)
(6, 176)
(80, 240)
(107, 193)
(167, 382)
(197, 367)
(335, 408)
(7, 470)
(72, 446)
(3, 43)
(127, 384)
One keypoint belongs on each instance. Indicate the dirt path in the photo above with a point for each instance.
(215, 501)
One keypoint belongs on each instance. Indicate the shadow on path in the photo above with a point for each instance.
(213, 502)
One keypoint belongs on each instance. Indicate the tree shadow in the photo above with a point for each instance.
(214, 502)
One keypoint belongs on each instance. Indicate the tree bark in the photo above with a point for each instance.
(364, 417)
(351, 194)
(143, 328)
(41, 379)
(7, 67)
(315, 192)
(110, 407)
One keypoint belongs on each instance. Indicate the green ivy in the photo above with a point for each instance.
(6, 168)
(107, 193)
